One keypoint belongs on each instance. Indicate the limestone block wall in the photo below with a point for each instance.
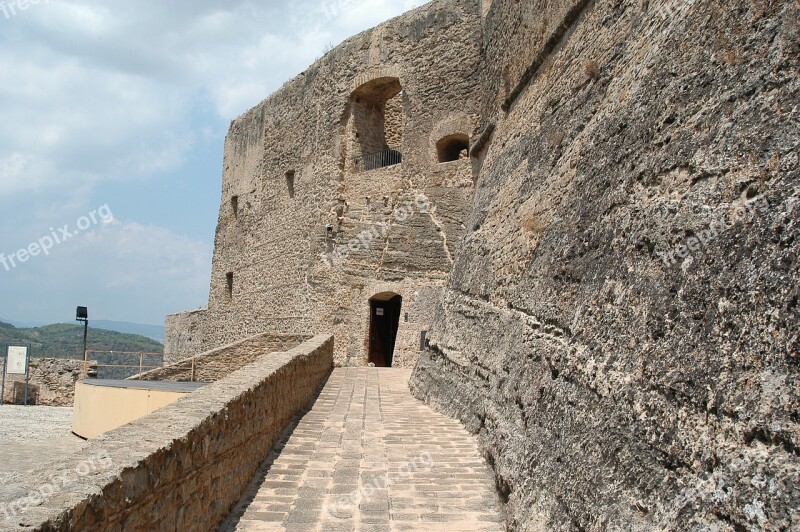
(51, 383)
(292, 198)
(215, 364)
(183, 467)
(183, 335)
(620, 325)
(507, 67)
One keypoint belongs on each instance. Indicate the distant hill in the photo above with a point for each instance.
(23, 324)
(66, 341)
(155, 332)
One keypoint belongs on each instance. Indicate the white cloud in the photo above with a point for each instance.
(94, 86)
(125, 270)
(99, 94)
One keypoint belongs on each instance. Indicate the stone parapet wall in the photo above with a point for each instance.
(213, 365)
(51, 383)
(184, 466)
(183, 335)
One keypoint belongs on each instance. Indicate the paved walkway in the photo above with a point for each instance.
(368, 456)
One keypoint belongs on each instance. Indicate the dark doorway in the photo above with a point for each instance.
(383, 325)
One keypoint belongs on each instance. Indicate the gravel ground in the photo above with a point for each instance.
(31, 438)
(26, 423)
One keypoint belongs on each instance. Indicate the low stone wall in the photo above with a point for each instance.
(218, 363)
(52, 383)
(186, 465)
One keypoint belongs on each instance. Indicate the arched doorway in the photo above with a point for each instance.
(384, 322)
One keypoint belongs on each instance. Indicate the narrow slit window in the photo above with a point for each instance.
(229, 286)
(290, 182)
(235, 206)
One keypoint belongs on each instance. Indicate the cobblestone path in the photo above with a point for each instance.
(368, 456)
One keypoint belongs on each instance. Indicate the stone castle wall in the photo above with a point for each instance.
(184, 466)
(304, 239)
(609, 281)
(51, 383)
(620, 325)
(216, 364)
(184, 335)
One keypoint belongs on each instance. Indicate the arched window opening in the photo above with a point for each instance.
(452, 148)
(379, 121)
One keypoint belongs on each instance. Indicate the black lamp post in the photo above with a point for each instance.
(82, 314)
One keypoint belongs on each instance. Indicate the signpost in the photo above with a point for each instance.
(3, 387)
(16, 362)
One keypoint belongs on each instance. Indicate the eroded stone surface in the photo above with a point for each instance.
(614, 390)
(51, 382)
(619, 321)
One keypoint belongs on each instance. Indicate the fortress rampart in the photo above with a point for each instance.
(350, 184)
(502, 180)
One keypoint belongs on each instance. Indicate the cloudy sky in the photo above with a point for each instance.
(112, 107)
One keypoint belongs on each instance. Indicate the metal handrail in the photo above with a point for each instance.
(379, 159)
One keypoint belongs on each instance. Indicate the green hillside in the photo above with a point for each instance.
(66, 341)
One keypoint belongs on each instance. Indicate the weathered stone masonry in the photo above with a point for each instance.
(215, 364)
(612, 390)
(182, 467)
(51, 382)
(310, 230)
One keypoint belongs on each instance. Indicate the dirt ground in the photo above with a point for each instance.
(30, 438)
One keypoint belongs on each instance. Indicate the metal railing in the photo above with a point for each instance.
(123, 364)
(380, 159)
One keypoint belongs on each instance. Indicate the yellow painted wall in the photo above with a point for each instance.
(99, 409)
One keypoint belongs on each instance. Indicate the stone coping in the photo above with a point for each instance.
(182, 467)
(160, 386)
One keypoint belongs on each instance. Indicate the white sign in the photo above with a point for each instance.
(17, 360)
(379, 312)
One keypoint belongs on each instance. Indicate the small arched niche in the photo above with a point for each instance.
(452, 148)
